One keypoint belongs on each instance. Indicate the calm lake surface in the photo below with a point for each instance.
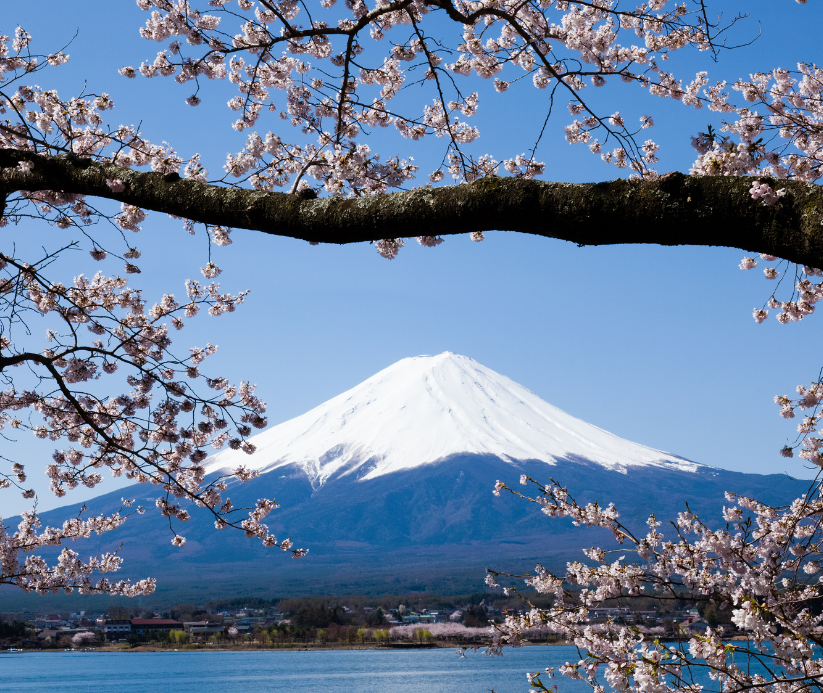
(361, 671)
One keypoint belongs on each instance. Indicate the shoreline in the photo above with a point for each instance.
(293, 647)
(286, 647)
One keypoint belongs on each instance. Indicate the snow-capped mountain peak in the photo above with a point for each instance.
(429, 408)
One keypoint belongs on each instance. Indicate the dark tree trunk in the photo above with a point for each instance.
(674, 210)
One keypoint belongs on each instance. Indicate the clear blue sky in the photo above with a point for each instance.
(654, 344)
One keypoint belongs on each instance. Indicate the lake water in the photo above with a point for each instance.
(360, 671)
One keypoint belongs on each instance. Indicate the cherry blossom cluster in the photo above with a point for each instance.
(83, 637)
(439, 630)
(46, 124)
(764, 192)
(809, 440)
(342, 169)
(69, 573)
(788, 104)
(780, 135)
(805, 294)
(763, 563)
(16, 57)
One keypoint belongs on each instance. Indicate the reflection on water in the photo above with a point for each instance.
(355, 671)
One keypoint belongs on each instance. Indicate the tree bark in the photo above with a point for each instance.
(674, 210)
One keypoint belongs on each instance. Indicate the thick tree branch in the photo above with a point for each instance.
(675, 210)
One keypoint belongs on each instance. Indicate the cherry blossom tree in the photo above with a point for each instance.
(440, 630)
(343, 72)
(83, 637)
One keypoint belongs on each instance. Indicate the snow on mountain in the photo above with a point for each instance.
(428, 408)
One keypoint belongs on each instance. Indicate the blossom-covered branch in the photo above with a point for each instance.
(155, 431)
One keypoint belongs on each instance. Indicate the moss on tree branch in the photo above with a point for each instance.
(675, 210)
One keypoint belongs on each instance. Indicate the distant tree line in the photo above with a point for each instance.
(13, 631)
(239, 603)
(320, 611)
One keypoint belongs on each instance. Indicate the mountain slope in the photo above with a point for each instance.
(433, 528)
(428, 408)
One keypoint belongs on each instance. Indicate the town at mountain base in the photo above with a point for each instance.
(389, 486)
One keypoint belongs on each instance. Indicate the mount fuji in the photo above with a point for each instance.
(426, 409)
(389, 487)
